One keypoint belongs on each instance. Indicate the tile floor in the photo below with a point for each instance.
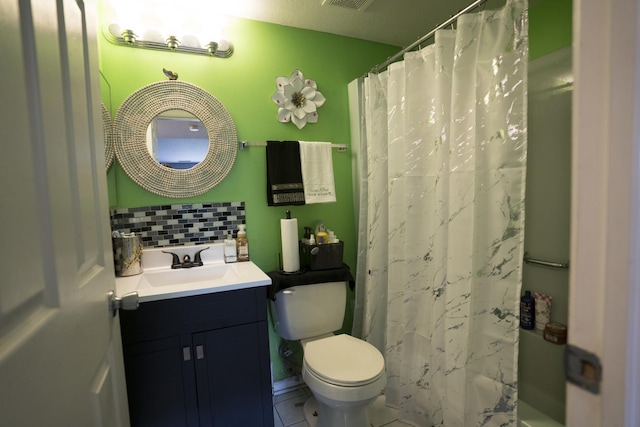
(287, 411)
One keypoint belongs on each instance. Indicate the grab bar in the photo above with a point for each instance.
(527, 258)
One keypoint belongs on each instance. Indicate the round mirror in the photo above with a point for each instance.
(107, 129)
(140, 113)
(177, 139)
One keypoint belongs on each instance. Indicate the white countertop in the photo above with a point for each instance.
(158, 281)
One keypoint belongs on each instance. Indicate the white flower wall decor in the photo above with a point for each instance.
(298, 99)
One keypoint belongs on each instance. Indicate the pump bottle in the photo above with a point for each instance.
(242, 243)
(230, 252)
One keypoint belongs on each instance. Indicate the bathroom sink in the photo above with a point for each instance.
(159, 281)
(206, 273)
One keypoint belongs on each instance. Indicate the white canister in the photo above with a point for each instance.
(127, 255)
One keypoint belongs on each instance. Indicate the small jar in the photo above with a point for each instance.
(555, 333)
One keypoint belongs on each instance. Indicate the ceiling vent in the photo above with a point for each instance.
(348, 4)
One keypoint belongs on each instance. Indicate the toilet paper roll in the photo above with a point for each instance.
(290, 252)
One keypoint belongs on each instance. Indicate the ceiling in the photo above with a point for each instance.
(394, 22)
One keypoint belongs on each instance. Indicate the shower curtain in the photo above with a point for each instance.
(442, 177)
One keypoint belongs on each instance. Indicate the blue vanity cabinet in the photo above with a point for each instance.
(199, 361)
(160, 384)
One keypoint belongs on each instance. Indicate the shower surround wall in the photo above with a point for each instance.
(177, 225)
(547, 225)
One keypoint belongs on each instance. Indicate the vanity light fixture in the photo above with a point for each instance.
(212, 48)
(172, 42)
(129, 38)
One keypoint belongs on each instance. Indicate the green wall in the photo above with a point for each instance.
(244, 83)
(550, 26)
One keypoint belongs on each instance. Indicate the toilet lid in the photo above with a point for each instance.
(344, 360)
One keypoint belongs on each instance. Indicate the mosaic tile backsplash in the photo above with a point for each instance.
(178, 225)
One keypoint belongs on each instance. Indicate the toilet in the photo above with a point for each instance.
(345, 374)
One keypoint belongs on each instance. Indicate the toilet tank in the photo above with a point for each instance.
(307, 311)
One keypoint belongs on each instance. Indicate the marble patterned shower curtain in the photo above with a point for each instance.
(441, 240)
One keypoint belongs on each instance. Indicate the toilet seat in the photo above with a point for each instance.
(344, 361)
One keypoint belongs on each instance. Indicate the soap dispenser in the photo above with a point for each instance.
(307, 235)
(242, 243)
(230, 252)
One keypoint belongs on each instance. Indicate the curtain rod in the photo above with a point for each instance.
(422, 39)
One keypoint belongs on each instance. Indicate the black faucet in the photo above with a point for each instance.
(197, 260)
(186, 260)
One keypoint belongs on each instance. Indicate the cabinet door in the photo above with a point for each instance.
(159, 379)
(233, 376)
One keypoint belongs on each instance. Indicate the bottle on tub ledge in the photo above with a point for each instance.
(242, 244)
(527, 311)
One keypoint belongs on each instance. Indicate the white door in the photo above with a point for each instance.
(60, 356)
(605, 244)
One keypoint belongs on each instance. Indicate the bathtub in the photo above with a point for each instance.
(528, 416)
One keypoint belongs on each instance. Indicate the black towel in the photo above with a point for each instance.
(284, 174)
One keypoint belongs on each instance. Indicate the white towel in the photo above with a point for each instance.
(317, 172)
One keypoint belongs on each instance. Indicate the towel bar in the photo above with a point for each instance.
(527, 258)
(244, 144)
